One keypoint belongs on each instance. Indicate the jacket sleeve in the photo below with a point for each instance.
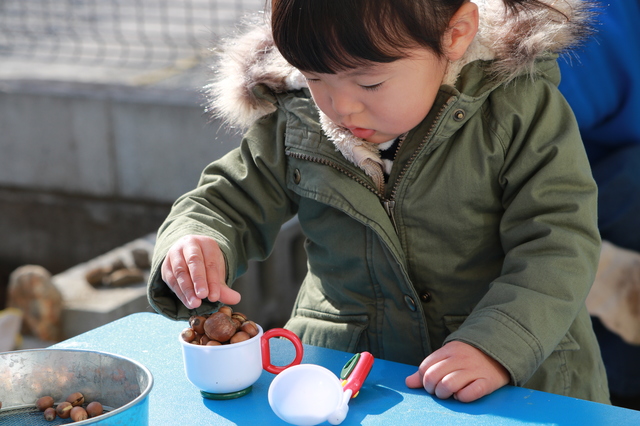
(241, 201)
(548, 232)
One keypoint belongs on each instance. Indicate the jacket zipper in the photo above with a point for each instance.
(390, 203)
(336, 166)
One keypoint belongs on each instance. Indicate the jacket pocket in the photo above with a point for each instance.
(568, 343)
(559, 372)
(340, 332)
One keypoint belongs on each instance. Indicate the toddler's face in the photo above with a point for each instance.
(380, 102)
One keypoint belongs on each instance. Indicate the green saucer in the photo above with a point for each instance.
(229, 395)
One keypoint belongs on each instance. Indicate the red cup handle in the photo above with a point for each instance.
(266, 350)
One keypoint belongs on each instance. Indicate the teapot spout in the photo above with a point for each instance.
(340, 414)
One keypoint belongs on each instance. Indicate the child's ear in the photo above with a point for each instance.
(462, 29)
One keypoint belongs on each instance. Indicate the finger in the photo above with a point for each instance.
(474, 390)
(169, 278)
(433, 376)
(228, 296)
(451, 384)
(214, 267)
(180, 271)
(194, 259)
(414, 381)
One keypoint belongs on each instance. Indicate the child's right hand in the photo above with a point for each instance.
(460, 370)
(194, 269)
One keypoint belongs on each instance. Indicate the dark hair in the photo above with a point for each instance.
(327, 36)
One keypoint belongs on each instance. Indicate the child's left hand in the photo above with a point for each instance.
(460, 370)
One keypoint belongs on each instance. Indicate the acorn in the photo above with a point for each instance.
(219, 326)
(94, 409)
(50, 414)
(78, 414)
(76, 399)
(44, 403)
(64, 410)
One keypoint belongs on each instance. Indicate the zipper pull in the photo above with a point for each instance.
(389, 205)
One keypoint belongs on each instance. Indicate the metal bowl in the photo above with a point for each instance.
(120, 384)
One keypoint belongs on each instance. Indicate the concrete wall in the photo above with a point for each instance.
(87, 167)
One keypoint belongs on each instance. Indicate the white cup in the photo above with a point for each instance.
(228, 371)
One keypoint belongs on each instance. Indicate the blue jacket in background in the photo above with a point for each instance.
(603, 83)
(603, 87)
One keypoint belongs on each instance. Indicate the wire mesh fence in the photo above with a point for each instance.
(123, 33)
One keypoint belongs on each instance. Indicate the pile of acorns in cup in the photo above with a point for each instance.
(220, 328)
(71, 408)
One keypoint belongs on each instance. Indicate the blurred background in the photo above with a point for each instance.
(101, 128)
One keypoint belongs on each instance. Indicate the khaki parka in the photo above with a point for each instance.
(485, 233)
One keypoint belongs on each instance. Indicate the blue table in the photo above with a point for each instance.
(384, 399)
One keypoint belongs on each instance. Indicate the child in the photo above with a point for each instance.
(438, 176)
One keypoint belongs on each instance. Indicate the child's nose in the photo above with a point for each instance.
(343, 104)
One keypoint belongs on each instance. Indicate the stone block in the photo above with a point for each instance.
(86, 307)
(32, 292)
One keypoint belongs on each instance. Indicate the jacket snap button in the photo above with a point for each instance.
(411, 304)
(425, 297)
(458, 115)
(296, 176)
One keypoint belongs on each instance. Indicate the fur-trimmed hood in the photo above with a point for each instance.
(512, 44)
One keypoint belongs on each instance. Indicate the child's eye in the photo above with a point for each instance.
(312, 80)
(373, 87)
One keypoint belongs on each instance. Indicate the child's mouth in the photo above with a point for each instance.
(361, 133)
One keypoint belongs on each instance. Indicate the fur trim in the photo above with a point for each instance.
(363, 154)
(242, 64)
(514, 43)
